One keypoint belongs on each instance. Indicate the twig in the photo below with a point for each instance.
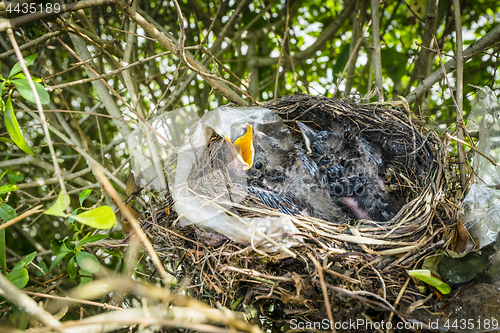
(26, 304)
(324, 290)
(39, 107)
(75, 300)
(164, 41)
(459, 85)
(31, 43)
(102, 76)
(400, 295)
(474, 148)
(478, 46)
(22, 216)
(281, 49)
(351, 57)
(376, 56)
(167, 278)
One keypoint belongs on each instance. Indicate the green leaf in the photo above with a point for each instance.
(58, 259)
(3, 173)
(13, 128)
(55, 246)
(24, 89)
(72, 268)
(19, 277)
(84, 195)
(5, 139)
(425, 276)
(8, 188)
(58, 208)
(100, 217)
(3, 252)
(84, 280)
(73, 213)
(19, 76)
(7, 213)
(15, 177)
(17, 67)
(90, 239)
(2, 84)
(26, 260)
(44, 268)
(87, 261)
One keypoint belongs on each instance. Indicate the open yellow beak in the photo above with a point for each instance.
(242, 149)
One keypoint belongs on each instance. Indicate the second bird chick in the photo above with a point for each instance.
(350, 168)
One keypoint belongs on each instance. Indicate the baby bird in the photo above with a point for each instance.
(350, 169)
(281, 175)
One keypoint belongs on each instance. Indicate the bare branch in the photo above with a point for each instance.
(490, 38)
(376, 56)
(26, 304)
(459, 92)
(39, 107)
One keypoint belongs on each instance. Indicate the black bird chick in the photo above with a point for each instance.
(282, 176)
(350, 168)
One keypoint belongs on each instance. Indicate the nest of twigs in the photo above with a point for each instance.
(340, 271)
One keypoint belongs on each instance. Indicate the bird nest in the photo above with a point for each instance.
(341, 271)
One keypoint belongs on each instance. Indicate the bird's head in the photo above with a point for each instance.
(242, 151)
(313, 140)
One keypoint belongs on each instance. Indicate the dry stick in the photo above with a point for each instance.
(167, 278)
(39, 107)
(92, 113)
(483, 43)
(30, 44)
(199, 70)
(43, 182)
(351, 57)
(78, 149)
(22, 216)
(116, 94)
(400, 295)
(75, 300)
(164, 41)
(323, 289)
(377, 59)
(492, 161)
(460, 88)
(72, 83)
(281, 49)
(26, 304)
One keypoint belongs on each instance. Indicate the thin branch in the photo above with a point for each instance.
(26, 304)
(459, 92)
(167, 278)
(282, 48)
(102, 76)
(487, 40)
(22, 216)
(39, 107)
(376, 56)
(351, 57)
(75, 300)
(31, 43)
(167, 43)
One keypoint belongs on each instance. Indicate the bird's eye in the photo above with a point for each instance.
(258, 165)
